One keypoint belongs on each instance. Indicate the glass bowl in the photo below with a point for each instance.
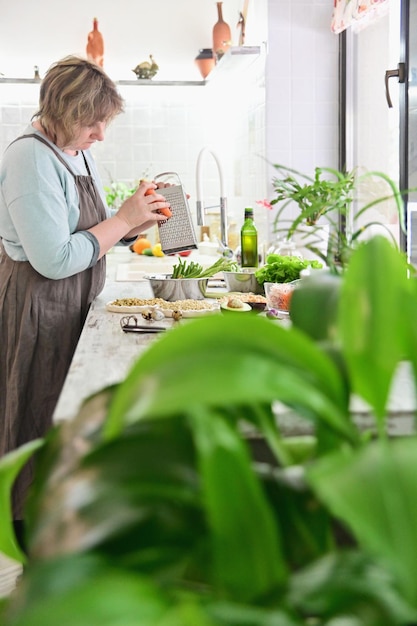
(278, 296)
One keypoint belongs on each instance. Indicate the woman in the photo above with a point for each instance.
(55, 230)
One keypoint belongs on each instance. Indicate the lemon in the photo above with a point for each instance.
(157, 250)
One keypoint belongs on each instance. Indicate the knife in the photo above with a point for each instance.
(143, 329)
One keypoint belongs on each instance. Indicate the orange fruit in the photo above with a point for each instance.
(141, 244)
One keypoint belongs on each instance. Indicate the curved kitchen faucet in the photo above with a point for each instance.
(200, 203)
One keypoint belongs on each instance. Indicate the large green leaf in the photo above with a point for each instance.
(85, 591)
(373, 296)
(350, 582)
(135, 498)
(305, 526)
(140, 500)
(314, 305)
(223, 361)
(248, 561)
(374, 491)
(10, 466)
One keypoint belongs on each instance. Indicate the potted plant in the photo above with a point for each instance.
(117, 192)
(325, 224)
(154, 506)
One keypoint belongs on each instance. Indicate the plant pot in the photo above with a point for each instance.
(308, 237)
(205, 61)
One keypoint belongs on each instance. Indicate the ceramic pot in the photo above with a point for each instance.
(205, 61)
(221, 34)
(316, 236)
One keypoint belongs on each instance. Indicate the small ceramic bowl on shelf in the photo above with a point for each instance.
(278, 296)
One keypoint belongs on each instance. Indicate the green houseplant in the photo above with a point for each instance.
(326, 200)
(152, 507)
(117, 192)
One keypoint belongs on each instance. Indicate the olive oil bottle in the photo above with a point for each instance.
(249, 241)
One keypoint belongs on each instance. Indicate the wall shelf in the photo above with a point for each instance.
(143, 82)
(235, 59)
(19, 80)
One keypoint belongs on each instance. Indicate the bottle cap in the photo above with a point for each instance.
(248, 212)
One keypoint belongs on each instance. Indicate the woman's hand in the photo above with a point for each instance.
(135, 216)
(144, 208)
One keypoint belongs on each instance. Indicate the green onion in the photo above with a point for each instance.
(194, 270)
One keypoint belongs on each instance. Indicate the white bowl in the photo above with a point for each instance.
(172, 289)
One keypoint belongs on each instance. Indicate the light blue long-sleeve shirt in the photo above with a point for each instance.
(39, 209)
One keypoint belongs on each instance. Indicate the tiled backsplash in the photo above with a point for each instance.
(164, 128)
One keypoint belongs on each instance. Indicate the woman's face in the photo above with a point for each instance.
(87, 135)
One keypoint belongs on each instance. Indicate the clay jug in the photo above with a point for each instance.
(95, 45)
(205, 61)
(221, 34)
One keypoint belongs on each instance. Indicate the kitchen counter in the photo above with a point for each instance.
(105, 354)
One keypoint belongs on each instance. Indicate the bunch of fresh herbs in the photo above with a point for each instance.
(283, 269)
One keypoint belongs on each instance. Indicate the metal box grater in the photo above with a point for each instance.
(177, 233)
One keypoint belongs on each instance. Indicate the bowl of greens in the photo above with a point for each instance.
(188, 280)
(172, 289)
(284, 269)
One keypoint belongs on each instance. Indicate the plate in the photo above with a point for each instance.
(125, 308)
(193, 312)
(204, 307)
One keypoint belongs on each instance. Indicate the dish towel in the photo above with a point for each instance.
(356, 13)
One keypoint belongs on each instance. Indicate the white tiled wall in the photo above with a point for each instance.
(302, 86)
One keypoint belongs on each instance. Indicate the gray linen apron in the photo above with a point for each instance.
(41, 322)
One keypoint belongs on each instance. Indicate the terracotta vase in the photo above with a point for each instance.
(205, 61)
(95, 44)
(221, 34)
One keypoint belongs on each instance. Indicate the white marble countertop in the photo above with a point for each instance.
(105, 354)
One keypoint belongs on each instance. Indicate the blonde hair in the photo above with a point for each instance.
(76, 92)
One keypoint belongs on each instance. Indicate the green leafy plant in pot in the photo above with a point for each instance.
(117, 192)
(156, 505)
(326, 201)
